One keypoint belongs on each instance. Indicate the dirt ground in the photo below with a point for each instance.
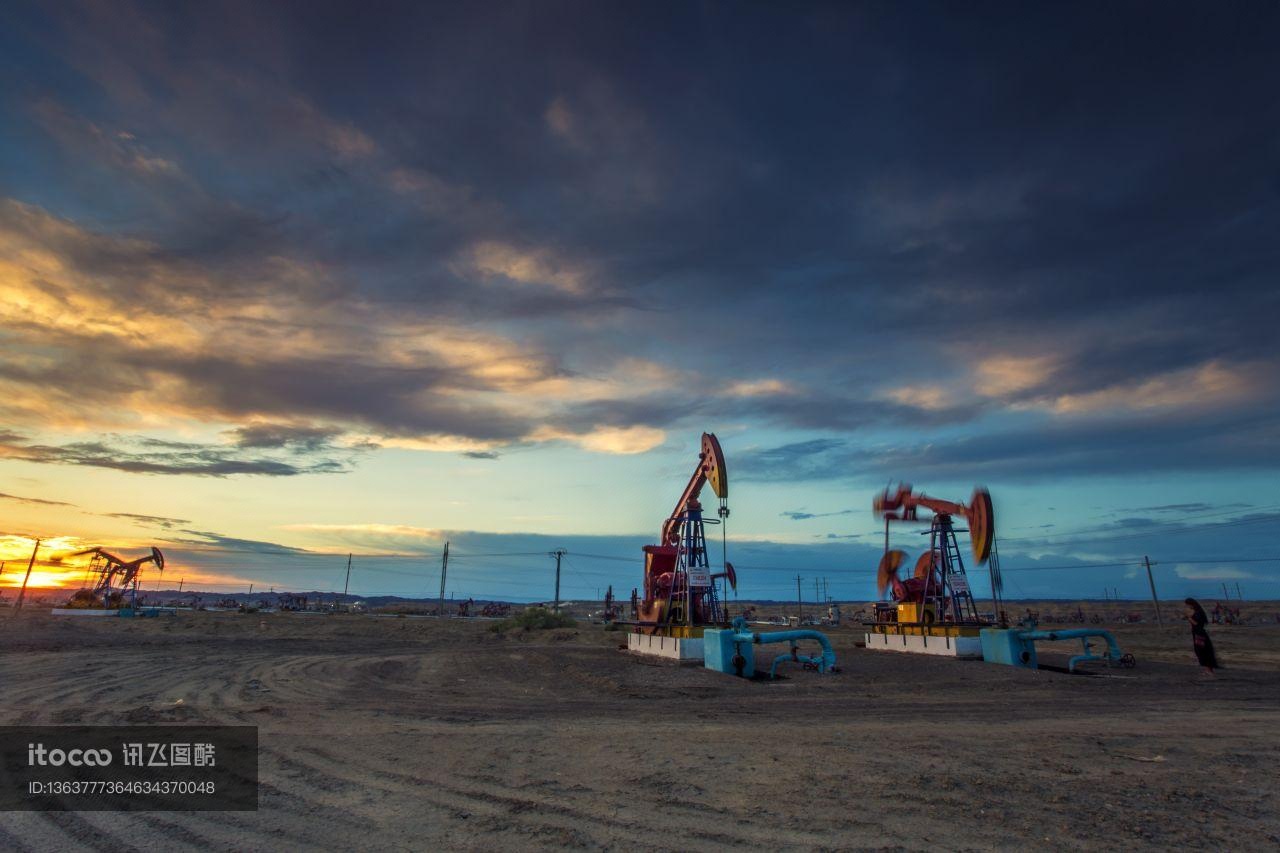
(405, 733)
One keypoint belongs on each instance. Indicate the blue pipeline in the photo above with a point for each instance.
(820, 663)
(1113, 648)
(825, 663)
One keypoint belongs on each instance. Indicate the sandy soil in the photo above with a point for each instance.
(401, 733)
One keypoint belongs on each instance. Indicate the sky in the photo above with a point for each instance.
(283, 282)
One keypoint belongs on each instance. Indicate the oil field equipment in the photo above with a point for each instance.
(933, 611)
(1017, 646)
(115, 578)
(679, 598)
(732, 650)
(612, 610)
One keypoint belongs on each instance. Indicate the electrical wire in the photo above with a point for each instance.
(511, 573)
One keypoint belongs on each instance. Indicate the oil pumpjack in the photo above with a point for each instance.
(933, 612)
(679, 598)
(116, 578)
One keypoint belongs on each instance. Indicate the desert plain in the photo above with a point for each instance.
(399, 733)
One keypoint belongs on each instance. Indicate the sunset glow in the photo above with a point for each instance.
(263, 311)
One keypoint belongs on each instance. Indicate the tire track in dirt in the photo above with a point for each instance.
(9, 841)
(89, 686)
(450, 799)
(85, 829)
(527, 807)
(173, 832)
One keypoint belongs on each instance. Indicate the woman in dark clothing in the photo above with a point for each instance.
(1200, 637)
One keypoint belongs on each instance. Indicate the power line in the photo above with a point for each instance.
(481, 574)
(1231, 560)
(604, 557)
(328, 555)
(1063, 567)
(200, 548)
(504, 554)
(577, 570)
(869, 571)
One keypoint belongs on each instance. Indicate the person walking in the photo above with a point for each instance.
(1200, 641)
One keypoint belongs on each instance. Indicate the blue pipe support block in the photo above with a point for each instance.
(1007, 646)
(729, 651)
(1014, 647)
(732, 651)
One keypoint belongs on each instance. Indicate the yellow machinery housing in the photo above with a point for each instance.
(911, 611)
(915, 619)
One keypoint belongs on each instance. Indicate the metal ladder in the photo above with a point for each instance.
(963, 607)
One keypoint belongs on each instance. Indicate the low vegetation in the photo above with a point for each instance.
(534, 619)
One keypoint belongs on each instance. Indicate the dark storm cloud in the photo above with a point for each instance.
(219, 542)
(480, 454)
(1194, 507)
(396, 399)
(1149, 444)
(278, 436)
(851, 199)
(657, 410)
(800, 515)
(802, 460)
(149, 456)
(1245, 536)
(1135, 522)
(150, 520)
(38, 501)
(817, 410)
(789, 409)
(1034, 452)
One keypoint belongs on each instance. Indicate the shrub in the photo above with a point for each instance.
(535, 619)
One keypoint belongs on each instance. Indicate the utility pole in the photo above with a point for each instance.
(180, 580)
(444, 570)
(799, 599)
(346, 586)
(251, 589)
(826, 591)
(1225, 594)
(30, 563)
(817, 590)
(1154, 599)
(557, 554)
(1239, 594)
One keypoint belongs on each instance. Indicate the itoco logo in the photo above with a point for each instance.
(38, 755)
